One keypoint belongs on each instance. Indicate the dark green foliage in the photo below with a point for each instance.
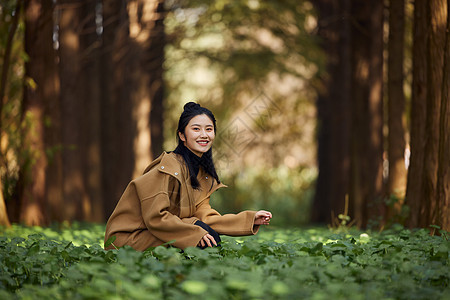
(275, 264)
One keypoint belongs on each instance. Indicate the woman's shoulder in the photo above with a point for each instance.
(167, 162)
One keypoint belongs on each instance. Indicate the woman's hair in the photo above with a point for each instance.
(192, 109)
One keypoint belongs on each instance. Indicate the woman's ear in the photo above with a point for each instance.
(181, 136)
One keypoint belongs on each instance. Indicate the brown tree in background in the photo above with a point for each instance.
(396, 188)
(443, 177)
(4, 219)
(80, 111)
(132, 92)
(350, 111)
(418, 111)
(333, 106)
(146, 57)
(366, 150)
(70, 53)
(437, 17)
(40, 89)
(90, 42)
(430, 19)
(116, 136)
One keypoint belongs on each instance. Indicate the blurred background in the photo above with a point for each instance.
(322, 106)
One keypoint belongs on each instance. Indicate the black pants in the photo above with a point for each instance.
(211, 231)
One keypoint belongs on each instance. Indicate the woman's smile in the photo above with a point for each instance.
(203, 143)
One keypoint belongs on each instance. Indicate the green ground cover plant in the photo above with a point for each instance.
(315, 263)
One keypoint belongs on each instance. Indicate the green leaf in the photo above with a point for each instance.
(194, 287)
(110, 241)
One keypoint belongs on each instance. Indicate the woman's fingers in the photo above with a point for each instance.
(207, 238)
(262, 217)
(212, 239)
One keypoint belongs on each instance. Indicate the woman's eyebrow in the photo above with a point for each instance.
(209, 125)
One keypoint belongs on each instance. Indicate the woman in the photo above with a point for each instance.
(169, 203)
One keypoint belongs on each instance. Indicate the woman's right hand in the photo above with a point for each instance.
(207, 239)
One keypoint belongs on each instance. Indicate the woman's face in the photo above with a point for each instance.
(198, 134)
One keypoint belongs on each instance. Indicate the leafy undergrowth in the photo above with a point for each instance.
(69, 263)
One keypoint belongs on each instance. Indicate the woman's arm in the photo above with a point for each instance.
(243, 223)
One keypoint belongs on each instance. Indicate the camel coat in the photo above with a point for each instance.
(161, 207)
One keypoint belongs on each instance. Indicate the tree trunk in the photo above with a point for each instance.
(91, 107)
(146, 58)
(418, 112)
(333, 112)
(38, 46)
(437, 17)
(443, 177)
(74, 190)
(367, 139)
(396, 107)
(116, 136)
(4, 219)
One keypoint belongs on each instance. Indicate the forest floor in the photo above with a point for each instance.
(68, 262)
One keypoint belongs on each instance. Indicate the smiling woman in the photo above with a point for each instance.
(169, 203)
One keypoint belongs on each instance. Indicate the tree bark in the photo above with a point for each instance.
(38, 46)
(74, 190)
(443, 177)
(437, 17)
(367, 138)
(91, 101)
(333, 107)
(418, 112)
(396, 108)
(4, 219)
(116, 136)
(146, 58)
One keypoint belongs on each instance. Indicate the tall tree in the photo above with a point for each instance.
(116, 135)
(4, 219)
(396, 107)
(443, 176)
(426, 205)
(40, 89)
(333, 111)
(365, 192)
(91, 127)
(146, 57)
(350, 111)
(132, 58)
(418, 112)
(70, 52)
(437, 17)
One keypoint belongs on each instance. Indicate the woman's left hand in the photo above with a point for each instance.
(262, 217)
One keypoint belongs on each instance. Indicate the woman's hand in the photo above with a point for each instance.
(262, 217)
(207, 239)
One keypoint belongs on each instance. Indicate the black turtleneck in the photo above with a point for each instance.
(194, 162)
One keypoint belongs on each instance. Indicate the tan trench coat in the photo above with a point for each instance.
(161, 206)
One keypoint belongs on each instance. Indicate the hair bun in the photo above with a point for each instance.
(191, 106)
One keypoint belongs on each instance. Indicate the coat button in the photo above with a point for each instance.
(162, 167)
(176, 173)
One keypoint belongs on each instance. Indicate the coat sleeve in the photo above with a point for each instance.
(166, 226)
(239, 224)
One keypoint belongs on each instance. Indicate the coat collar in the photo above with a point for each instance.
(169, 163)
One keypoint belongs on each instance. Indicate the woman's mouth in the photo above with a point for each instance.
(203, 143)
